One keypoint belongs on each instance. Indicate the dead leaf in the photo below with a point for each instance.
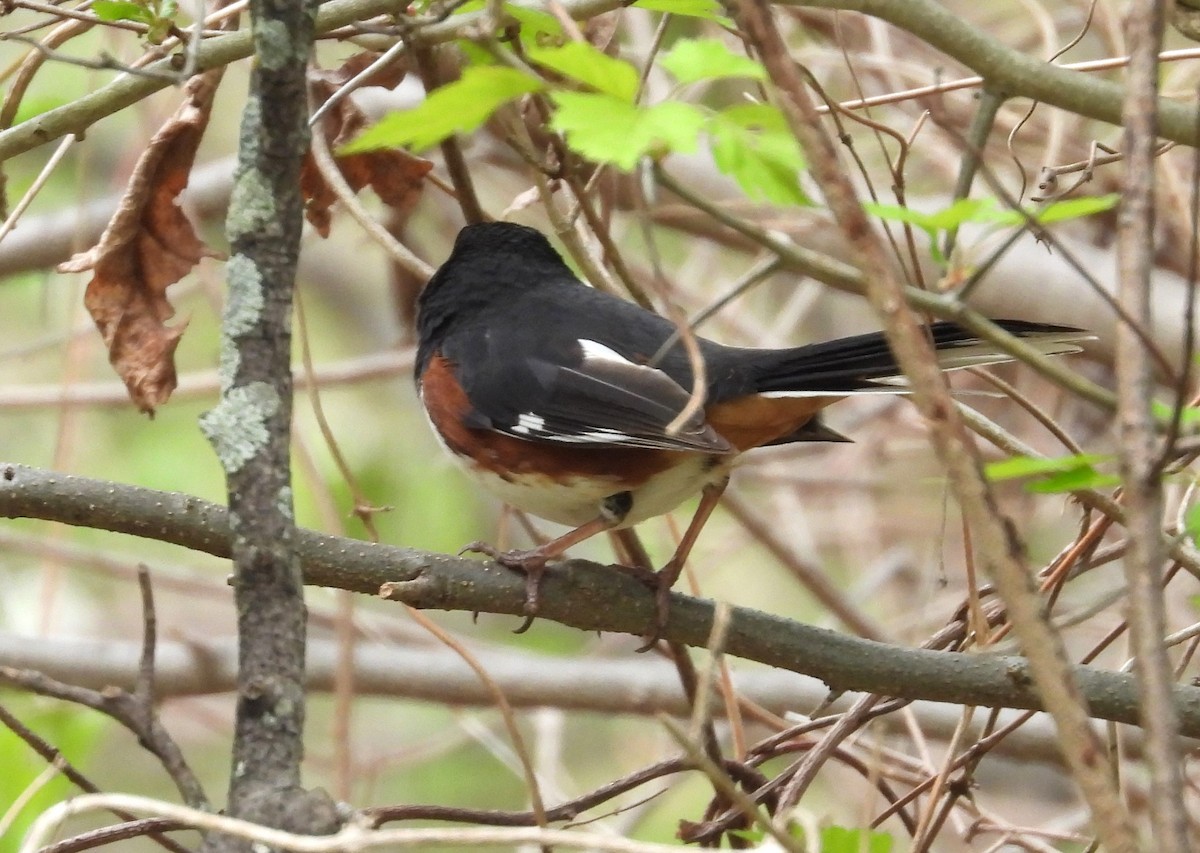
(329, 81)
(149, 245)
(396, 176)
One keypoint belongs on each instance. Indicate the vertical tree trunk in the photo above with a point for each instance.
(250, 431)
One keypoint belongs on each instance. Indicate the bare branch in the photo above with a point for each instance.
(1141, 471)
(578, 593)
(999, 550)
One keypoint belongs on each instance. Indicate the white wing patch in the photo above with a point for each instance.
(529, 422)
(596, 351)
(607, 400)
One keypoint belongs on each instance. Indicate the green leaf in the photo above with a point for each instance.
(755, 834)
(609, 130)
(458, 107)
(963, 210)
(1073, 208)
(1034, 466)
(1086, 477)
(590, 66)
(839, 839)
(752, 144)
(1191, 525)
(709, 10)
(1164, 412)
(159, 29)
(709, 59)
(475, 54)
(1059, 211)
(1060, 474)
(121, 10)
(534, 22)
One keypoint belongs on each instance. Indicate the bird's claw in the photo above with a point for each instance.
(662, 609)
(532, 564)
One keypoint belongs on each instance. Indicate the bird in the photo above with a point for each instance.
(576, 406)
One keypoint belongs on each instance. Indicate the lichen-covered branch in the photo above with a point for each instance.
(250, 430)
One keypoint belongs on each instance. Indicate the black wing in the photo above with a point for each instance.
(562, 385)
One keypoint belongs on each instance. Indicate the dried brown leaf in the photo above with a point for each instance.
(397, 177)
(326, 82)
(149, 245)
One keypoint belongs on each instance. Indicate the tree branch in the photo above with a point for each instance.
(580, 594)
(1017, 74)
(1007, 70)
(631, 685)
(996, 543)
(250, 431)
(128, 89)
(1141, 471)
(128, 709)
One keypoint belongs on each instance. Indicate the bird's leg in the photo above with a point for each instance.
(635, 560)
(532, 563)
(668, 574)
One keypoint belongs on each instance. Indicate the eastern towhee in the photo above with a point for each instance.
(565, 401)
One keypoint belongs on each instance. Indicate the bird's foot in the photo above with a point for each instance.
(531, 563)
(662, 582)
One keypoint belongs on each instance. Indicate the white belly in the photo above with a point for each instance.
(578, 502)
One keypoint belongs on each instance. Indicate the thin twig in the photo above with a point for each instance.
(999, 549)
(59, 761)
(353, 836)
(1139, 459)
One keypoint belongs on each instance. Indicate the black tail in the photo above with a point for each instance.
(861, 364)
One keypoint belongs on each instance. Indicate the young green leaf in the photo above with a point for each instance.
(606, 129)
(1059, 211)
(122, 10)
(709, 59)
(535, 23)
(1165, 413)
(839, 839)
(753, 834)
(590, 66)
(1060, 474)
(1085, 477)
(159, 29)
(1191, 523)
(1073, 208)
(476, 55)
(963, 210)
(1031, 466)
(751, 144)
(458, 107)
(709, 10)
